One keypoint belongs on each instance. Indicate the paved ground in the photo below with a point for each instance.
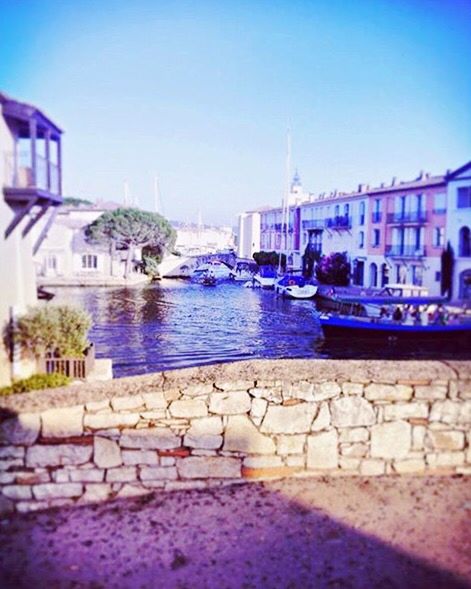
(298, 533)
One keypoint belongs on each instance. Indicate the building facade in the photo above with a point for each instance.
(391, 233)
(31, 178)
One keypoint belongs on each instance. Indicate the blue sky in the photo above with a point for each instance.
(201, 94)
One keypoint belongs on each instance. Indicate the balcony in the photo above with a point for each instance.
(19, 173)
(407, 218)
(339, 222)
(376, 217)
(405, 251)
(313, 224)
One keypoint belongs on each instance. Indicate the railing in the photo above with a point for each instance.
(313, 224)
(19, 172)
(408, 217)
(73, 367)
(339, 222)
(376, 217)
(405, 251)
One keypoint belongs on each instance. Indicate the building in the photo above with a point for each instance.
(67, 258)
(194, 239)
(458, 228)
(392, 233)
(31, 178)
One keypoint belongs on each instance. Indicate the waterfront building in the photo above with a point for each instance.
(31, 179)
(392, 233)
(195, 239)
(458, 228)
(67, 258)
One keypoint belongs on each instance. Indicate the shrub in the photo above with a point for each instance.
(334, 269)
(36, 382)
(270, 259)
(56, 330)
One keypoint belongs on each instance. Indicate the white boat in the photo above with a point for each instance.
(295, 287)
(266, 277)
(220, 270)
(244, 271)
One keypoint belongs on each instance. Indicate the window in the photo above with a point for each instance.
(89, 261)
(362, 214)
(465, 242)
(51, 262)
(439, 203)
(346, 209)
(438, 276)
(439, 236)
(376, 237)
(464, 197)
(361, 239)
(376, 217)
(337, 210)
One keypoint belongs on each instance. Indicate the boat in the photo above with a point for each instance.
(456, 328)
(220, 270)
(292, 286)
(243, 271)
(266, 277)
(209, 280)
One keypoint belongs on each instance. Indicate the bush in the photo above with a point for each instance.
(270, 259)
(55, 330)
(36, 382)
(334, 269)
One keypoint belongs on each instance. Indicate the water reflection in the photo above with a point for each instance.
(172, 324)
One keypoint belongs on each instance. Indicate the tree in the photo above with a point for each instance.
(310, 257)
(447, 263)
(334, 269)
(128, 228)
(270, 259)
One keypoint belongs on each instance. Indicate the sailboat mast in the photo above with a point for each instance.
(285, 205)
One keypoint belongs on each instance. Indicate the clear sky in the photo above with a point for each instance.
(201, 93)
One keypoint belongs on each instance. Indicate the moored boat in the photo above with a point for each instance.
(292, 286)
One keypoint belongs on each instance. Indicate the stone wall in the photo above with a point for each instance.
(228, 423)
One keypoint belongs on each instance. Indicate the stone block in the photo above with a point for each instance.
(106, 453)
(349, 463)
(200, 467)
(259, 408)
(409, 466)
(17, 492)
(10, 463)
(58, 455)
(372, 467)
(87, 475)
(352, 411)
(21, 430)
(172, 395)
(204, 441)
(322, 419)
(270, 394)
(326, 390)
(295, 461)
(132, 491)
(399, 411)
(302, 390)
(290, 444)
(464, 389)
(153, 415)
(167, 461)
(263, 461)
(274, 472)
(391, 440)
(96, 406)
(12, 452)
(151, 473)
(230, 403)
(418, 437)
(7, 478)
(352, 388)
(236, 385)
(445, 459)
(188, 408)
(322, 450)
(445, 440)
(127, 403)
(62, 423)
(96, 492)
(355, 434)
(122, 474)
(451, 412)
(55, 490)
(206, 425)
(110, 420)
(242, 436)
(388, 392)
(431, 392)
(355, 450)
(155, 400)
(156, 438)
(289, 420)
(198, 390)
(134, 457)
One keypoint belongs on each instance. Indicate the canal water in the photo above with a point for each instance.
(174, 323)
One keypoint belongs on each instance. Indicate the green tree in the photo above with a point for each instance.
(334, 269)
(270, 259)
(128, 228)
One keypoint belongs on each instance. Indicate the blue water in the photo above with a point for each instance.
(173, 324)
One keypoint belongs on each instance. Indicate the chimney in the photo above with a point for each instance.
(394, 180)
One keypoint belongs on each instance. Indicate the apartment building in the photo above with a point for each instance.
(395, 232)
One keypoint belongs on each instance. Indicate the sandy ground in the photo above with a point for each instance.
(297, 533)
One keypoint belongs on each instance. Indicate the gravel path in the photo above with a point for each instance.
(297, 533)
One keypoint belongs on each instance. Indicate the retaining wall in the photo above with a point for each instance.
(228, 423)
